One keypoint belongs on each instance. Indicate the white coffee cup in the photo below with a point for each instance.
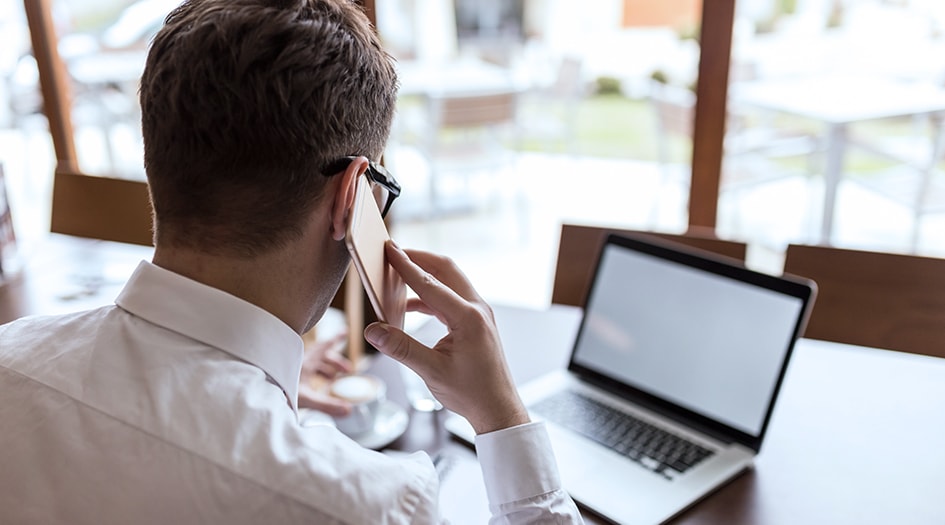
(366, 394)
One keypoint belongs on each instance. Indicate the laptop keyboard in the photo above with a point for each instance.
(662, 452)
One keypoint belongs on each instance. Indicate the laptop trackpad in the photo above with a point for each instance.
(599, 479)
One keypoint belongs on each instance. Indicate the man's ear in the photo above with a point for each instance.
(343, 196)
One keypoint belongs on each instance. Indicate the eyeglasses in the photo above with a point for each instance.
(386, 189)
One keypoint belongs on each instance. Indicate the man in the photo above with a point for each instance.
(179, 403)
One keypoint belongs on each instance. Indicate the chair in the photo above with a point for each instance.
(915, 179)
(579, 247)
(880, 300)
(747, 145)
(548, 116)
(468, 132)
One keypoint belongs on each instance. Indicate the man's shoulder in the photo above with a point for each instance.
(37, 332)
(191, 408)
(262, 468)
(44, 323)
(320, 468)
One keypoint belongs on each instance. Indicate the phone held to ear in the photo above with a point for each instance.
(365, 239)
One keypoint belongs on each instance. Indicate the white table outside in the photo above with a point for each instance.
(837, 102)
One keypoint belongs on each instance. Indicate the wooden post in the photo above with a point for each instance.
(53, 81)
(718, 18)
(370, 11)
(354, 314)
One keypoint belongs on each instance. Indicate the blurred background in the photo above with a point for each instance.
(516, 116)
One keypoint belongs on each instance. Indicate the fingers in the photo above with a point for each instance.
(445, 270)
(333, 365)
(440, 286)
(399, 346)
(466, 369)
(416, 305)
(325, 358)
(309, 398)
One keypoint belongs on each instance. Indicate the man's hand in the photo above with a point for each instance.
(324, 361)
(466, 369)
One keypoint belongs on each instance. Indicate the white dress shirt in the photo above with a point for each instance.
(179, 405)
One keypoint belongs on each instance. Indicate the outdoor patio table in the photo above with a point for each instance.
(837, 101)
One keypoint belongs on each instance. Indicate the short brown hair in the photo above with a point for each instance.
(243, 103)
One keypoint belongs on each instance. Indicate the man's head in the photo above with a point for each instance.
(244, 102)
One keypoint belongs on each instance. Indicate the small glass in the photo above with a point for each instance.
(418, 395)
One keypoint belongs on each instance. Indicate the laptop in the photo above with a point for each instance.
(672, 378)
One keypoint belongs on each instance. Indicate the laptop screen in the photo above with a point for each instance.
(708, 342)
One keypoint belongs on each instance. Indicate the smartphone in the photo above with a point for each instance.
(365, 238)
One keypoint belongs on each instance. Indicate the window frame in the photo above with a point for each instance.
(116, 209)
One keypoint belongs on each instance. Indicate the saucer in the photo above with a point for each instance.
(391, 424)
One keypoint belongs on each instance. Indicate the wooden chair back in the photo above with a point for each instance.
(580, 245)
(881, 300)
(467, 111)
(674, 107)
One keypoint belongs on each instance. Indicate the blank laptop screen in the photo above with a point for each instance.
(706, 342)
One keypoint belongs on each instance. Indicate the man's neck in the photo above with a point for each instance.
(296, 281)
(271, 281)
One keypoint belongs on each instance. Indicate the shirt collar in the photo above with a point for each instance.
(218, 319)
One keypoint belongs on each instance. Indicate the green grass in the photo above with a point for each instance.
(95, 17)
(614, 126)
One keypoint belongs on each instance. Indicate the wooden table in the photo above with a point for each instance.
(65, 274)
(857, 436)
(457, 77)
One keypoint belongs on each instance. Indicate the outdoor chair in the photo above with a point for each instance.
(467, 134)
(750, 143)
(915, 179)
(548, 116)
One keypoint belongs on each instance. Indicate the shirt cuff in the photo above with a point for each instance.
(517, 463)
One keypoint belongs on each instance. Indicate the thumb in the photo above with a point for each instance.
(309, 398)
(396, 344)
